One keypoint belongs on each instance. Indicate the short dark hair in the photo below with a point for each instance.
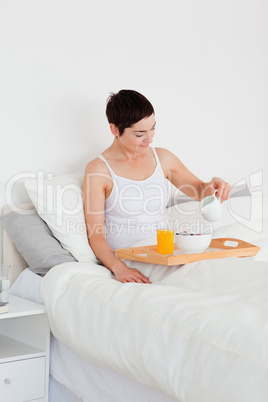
(127, 107)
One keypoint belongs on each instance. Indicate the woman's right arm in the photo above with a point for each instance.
(97, 183)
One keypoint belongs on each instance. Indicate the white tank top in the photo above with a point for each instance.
(135, 208)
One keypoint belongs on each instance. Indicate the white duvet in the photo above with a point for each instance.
(199, 332)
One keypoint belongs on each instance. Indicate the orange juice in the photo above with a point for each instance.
(165, 241)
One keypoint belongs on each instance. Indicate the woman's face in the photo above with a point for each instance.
(139, 136)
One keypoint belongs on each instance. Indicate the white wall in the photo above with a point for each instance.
(203, 65)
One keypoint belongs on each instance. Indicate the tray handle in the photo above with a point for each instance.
(231, 243)
(145, 252)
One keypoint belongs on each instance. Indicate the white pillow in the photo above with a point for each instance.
(177, 197)
(187, 216)
(58, 201)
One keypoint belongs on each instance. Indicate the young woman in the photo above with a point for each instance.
(125, 189)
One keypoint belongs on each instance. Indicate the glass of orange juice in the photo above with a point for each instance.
(165, 241)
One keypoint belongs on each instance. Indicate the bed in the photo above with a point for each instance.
(199, 333)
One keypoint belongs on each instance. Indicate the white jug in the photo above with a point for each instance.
(211, 207)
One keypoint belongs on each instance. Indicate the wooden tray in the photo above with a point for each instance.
(217, 249)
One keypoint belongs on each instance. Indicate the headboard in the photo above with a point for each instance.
(11, 256)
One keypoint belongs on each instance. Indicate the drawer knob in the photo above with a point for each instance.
(7, 381)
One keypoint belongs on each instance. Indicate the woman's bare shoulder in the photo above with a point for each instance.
(97, 174)
(169, 161)
(96, 166)
(164, 153)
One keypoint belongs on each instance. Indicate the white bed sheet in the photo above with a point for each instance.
(85, 380)
(199, 333)
(93, 383)
(245, 281)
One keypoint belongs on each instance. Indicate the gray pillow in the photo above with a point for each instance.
(34, 241)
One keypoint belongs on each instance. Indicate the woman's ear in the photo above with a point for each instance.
(114, 130)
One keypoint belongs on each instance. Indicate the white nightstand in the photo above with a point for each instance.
(24, 352)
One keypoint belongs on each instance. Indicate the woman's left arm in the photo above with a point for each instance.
(177, 173)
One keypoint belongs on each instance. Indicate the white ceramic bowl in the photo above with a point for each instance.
(192, 243)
